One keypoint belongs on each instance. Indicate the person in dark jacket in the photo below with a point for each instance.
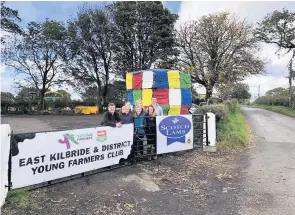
(111, 117)
(139, 125)
(126, 115)
(151, 129)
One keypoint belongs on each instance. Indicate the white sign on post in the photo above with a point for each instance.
(174, 133)
(54, 155)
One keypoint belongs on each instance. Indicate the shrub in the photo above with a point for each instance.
(220, 110)
(232, 105)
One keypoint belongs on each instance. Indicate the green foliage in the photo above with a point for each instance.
(7, 98)
(18, 198)
(8, 19)
(143, 35)
(220, 110)
(89, 49)
(278, 28)
(36, 55)
(237, 90)
(232, 105)
(117, 93)
(279, 109)
(232, 132)
(277, 96)
(213, 52)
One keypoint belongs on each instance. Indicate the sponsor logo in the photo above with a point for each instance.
(70, 138)
(85, 136)
(175, 128)
(67, 139)
(101, 136)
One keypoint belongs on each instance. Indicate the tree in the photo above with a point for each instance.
(65, 101)
(118, 93)
(8, 19)
(36, 56)
(65, 94)
(7, 100)
(144, 34)
(89, 95)
(238, 91)
(218, 48)
(278, 28)
(90, 39)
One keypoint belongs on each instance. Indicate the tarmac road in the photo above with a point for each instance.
(269, 183)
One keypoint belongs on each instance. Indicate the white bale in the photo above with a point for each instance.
(174, 96)
(147, 79)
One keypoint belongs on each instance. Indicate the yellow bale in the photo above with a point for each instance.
(174, 110)
(173, 79)
(129, 77)
(147, 95)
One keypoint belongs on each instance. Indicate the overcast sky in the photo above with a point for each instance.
(252, 11)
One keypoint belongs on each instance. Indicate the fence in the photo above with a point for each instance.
(45, 158)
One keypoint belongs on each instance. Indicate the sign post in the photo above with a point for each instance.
(174, 133)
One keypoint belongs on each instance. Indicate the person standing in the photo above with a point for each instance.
(126, 115)
(111, 117)
(128, 106)
(157, 107)
(139, 129)
(139, 103)
(151, 130)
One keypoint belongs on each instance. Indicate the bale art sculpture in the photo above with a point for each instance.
(172, 89)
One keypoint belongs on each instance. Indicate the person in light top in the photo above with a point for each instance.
(157, 107)
(128, 106)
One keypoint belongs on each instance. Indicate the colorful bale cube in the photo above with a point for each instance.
(137, 81)
(162, 96)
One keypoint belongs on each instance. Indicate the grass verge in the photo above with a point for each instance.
(279, 109)
(232, 132)
(18, 198)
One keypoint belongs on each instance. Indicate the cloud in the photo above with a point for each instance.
(266, 83)
(253, 12)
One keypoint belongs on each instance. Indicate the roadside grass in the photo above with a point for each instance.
(279, 109)
(21, 199)
(232, 132)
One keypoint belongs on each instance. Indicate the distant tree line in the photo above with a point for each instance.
(277, 96)
(94, 51)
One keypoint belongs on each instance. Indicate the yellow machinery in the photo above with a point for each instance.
(86, 110)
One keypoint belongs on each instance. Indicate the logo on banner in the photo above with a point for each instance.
(67, 139)
(85, 136)
(101, 136)
(175, 128)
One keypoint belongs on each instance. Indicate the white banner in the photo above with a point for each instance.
(174, 133)
(53, 155)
